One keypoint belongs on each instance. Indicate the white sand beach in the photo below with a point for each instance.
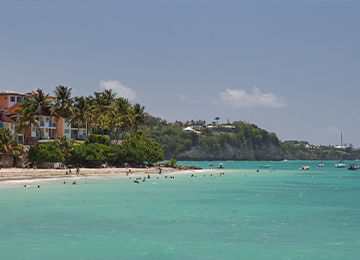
(17, 173)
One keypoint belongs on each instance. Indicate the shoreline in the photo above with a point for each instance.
(8, 174)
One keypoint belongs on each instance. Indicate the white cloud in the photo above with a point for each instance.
(182, 97)
(240, 98)
(121, 90)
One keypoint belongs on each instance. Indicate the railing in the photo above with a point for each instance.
(82, 137)
(73, 136)
(42, 124)
(52, 124)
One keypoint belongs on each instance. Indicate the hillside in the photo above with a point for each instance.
(235, 141)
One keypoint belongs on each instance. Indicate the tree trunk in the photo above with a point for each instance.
(102, 131)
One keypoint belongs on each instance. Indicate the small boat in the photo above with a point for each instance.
(220, 166)
(321, 165)
(353, 167)
(264, 166)
(304, 168)
(340, 164)
(210, 164)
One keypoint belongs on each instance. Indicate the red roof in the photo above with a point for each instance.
(34, 93)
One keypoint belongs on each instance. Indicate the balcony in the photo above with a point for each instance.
(42, 124)
(76, 125)
(52, 124)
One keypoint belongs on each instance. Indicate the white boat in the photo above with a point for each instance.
(340, 164)
(321, 165)
(304, 167)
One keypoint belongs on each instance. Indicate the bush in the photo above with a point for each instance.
(45, 153)
(92, 154)
(97, 139)
(172, 162)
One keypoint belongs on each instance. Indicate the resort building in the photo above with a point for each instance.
(5, 121)
(10, 98)
(48, 126)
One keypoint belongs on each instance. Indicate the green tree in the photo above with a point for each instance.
(45, 153)
(138, 116)
(8, 144)
(64, 146)
(123, 117)
(40, 98)
(62, 105)
(26, 117)
(79, 113)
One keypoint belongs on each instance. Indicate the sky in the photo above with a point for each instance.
(290, 67)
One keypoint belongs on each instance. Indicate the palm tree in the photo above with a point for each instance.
(40, 98)
(79, 113)
(217, 119)
(90, 116)
(101, 106)
(8, 144)
(64, 146)
(62, 106)
(26, 117)
(124, 119)
(108, 100)
(138, 116)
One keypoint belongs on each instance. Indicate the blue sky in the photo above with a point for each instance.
(290, 67)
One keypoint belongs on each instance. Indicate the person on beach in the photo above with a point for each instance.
(1, 165)
(77, 171)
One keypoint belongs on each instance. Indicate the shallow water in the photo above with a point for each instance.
(244, 214)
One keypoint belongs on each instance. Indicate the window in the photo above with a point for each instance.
(12, 99)
(67, 131)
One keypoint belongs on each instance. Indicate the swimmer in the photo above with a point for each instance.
(38, 186)
(74, 183)
(64, 182)
(24, 186)
(148, 176)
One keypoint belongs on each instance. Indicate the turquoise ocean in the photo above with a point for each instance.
(280, 212)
